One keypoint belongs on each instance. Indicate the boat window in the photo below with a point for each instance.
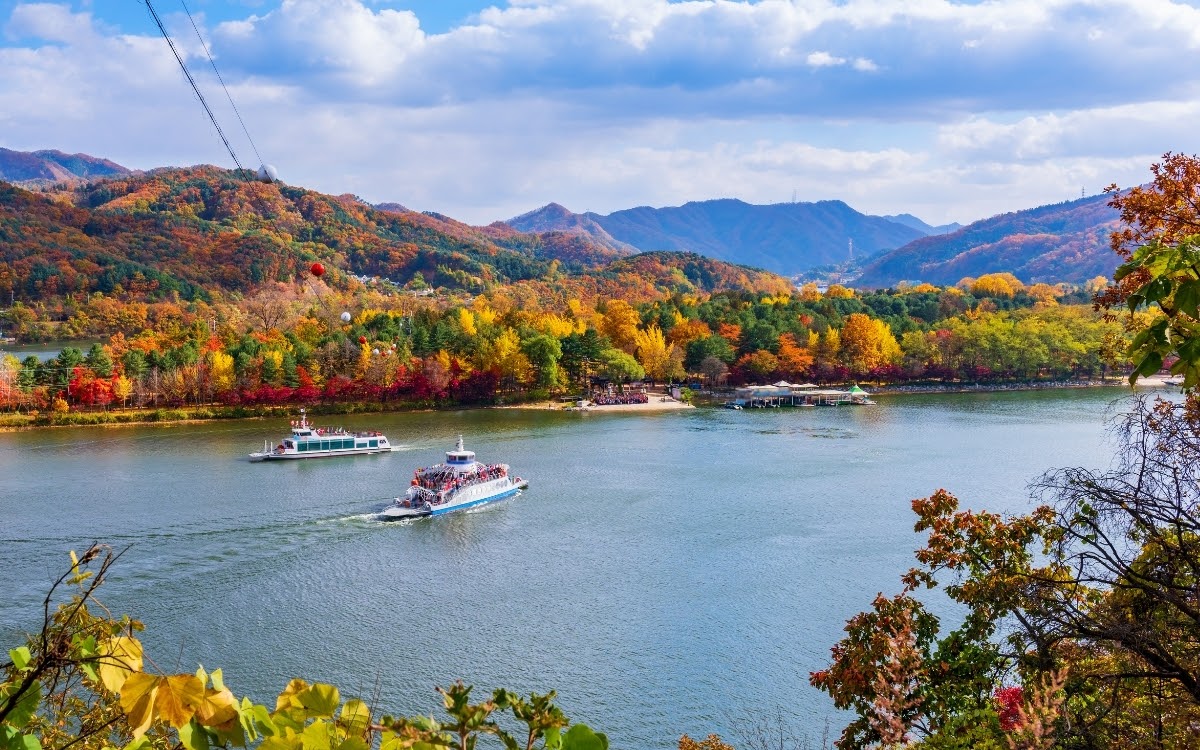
(373, 443)
(324, 445)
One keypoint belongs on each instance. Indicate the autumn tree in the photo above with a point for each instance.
(687, 331)
(1097, 583)
(661, 360)
(760, 364)
(620, 324)
(122, 388)
(793, 358)
(996, 285)
(866, 343)
(503, 355)
(1160, 241)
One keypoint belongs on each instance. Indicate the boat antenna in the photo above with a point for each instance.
(158, 22)
(222, 80)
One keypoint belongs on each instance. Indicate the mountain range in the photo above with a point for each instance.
(1061, 242)
(786, 238)
(201, 231)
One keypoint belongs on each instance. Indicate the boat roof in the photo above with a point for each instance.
(460, 455)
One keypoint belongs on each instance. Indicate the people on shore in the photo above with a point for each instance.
(615, 399)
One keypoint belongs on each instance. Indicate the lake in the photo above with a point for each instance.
(669, 573)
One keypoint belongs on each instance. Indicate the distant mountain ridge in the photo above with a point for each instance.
(785, 238)
(909, 220)
(23, 167)
(1060, 242)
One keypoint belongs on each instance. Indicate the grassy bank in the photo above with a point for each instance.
(192, 414)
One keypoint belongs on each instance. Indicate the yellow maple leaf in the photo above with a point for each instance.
(218, 707)
(178, 697)
(138, 694)
(117, 658)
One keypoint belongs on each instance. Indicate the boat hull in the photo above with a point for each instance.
(293, 456)
(472, 497)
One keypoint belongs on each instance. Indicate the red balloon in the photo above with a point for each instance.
(362, 339)
(317, 269)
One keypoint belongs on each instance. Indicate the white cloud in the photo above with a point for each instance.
(48, 22)
(950, 110)
(823, 60)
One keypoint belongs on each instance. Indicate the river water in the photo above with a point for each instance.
(666, 573)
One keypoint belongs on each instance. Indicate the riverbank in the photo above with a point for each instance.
(656, 403)
(1146, 383)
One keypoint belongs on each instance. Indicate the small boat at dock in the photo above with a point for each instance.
(458, 484)
(308, 441)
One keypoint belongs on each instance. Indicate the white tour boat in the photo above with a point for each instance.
(459, 483)
(307, 441)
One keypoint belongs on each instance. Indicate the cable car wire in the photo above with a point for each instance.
(222, 80)
(192, 81)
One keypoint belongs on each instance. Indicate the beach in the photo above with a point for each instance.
(657, 402)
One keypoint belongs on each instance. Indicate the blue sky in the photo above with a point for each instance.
(946, 109)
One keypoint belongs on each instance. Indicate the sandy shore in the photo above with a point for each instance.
(656, 403)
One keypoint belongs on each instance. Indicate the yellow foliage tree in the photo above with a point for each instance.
(829, 346)
(504, 356)
(466, 320)
(661, 360)
(924, 288)
(996, 285)
(363, 366)
(809, 292)
(620, 324)
(1096, 284)
(483, 311)
(556, 325)
(123, 389)
(1044, 293)
(837, 291)
(220, 371)
(867, 343)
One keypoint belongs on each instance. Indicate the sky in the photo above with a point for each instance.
(951, 110)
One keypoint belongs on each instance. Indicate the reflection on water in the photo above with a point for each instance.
(663, 572)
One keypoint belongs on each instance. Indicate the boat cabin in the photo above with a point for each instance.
(460, 457)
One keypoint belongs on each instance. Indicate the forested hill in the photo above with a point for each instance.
(38, 167)
(1061, 242)
(786, 238)
(203, 229)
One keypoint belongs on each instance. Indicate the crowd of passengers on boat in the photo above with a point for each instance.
(334, 431)
(449, 480)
